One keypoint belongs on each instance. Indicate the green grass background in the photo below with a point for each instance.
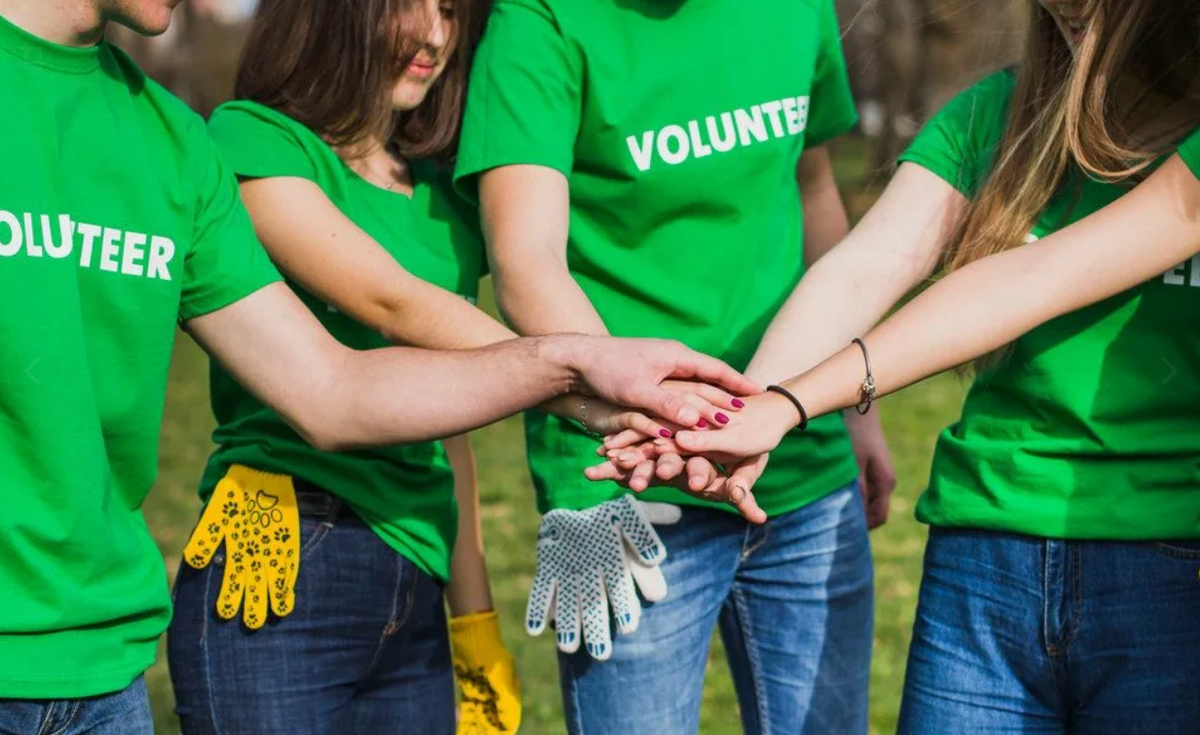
(911, 418)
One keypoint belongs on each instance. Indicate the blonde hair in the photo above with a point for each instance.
(1122, 101)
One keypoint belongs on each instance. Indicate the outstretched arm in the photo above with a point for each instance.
(991, 302)
(338, 398)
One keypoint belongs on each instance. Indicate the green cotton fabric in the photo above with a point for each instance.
(405, 493)
(681, 154)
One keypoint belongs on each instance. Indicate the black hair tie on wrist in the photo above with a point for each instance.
(795, 402)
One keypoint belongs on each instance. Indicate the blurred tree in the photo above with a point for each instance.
(907, 58)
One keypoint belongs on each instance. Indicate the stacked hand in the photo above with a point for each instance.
(691, 459)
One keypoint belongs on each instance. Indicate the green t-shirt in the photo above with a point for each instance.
(117, 220)
(1090, 429)
(404, 493)
(685, 215)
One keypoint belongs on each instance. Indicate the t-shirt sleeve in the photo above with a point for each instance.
(524, 100)
(960, 142)
(1189, 151)
(831, 110)
(257, 142)
(225, 262)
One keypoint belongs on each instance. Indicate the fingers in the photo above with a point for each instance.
(639, 533)
(703, 368)
(229, 599)
(626, 610)
(710, 394)
(670, 406)
(669, 467)
(725, 446)
(629, 458)
(566, 615)
(740, 484)
(640, 478)
(622, 439)
(660, 514)
(877, 512)
(643, 425)
(541, 595)
(650, 582)
(701, 475)
(605, 471)
(595, 614)
(711, 415)
(224, 505)
(254, 603)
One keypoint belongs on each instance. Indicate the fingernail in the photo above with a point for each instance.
(721, 418)
(737, 403)
(701, 424)
(665, 434)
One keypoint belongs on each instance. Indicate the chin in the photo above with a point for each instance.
(147, 17)
(407, 97)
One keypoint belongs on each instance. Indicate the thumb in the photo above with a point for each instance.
(668, 405)
(697, 442)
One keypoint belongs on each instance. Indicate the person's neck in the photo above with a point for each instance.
(373, 161)
(65, 22)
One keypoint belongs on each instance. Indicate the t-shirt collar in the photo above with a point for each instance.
(37, 51)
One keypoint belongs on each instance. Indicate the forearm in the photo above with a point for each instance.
(853, 285)
(468, 591)
(339, 398)
(525, 213)
(431, 317)
(545, 300)
(376, 396)
(991, 302)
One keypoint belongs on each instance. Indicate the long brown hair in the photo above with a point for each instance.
(332, 64)
(1122, 101)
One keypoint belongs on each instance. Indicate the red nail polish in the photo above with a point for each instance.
(664, 433)
(701, 424)
(737, 403)
(722, 418)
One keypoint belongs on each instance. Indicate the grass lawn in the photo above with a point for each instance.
(912, 419)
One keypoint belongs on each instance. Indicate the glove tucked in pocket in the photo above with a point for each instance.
(491, 693)
(587, 558)
(255, 514)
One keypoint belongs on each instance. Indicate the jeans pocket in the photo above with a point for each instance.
(1186, 550)
(312, 532)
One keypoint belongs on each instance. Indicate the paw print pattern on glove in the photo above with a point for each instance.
(255, 514)
(589, 559)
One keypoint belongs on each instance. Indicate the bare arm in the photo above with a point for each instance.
(526, 214)
(468, 591)
(852, 286)
(826, 225)
(989, 304)
(318, 247)
(992, 302)
(338, 398)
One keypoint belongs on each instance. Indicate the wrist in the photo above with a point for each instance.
(561, 354)
(787, 409)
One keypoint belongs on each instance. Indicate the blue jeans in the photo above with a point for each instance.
(1022, 634)
(126, 712)
(366, 649)
(793, 601)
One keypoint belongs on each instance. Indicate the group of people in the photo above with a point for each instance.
(642, 178)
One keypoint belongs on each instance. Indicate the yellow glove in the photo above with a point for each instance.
(255, 513)
(491, 694)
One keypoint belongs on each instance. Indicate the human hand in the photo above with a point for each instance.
(630, 372)
(695, 476)
(877, 477)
